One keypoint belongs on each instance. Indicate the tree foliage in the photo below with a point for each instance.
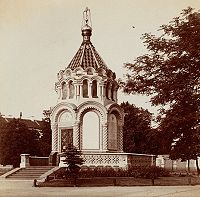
(16, 138)
(73, 159)
(170, 73)
(138, 136)
(44, 142)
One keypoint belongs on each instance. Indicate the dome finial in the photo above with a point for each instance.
(86, 25)
(86, 17)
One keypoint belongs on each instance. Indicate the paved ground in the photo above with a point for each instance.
(13, 188)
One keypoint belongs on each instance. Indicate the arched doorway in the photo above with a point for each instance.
(66, 130)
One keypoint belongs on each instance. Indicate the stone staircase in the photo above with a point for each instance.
(32, 172)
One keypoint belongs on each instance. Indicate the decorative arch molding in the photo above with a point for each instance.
(90, 70)
(60, 108)
(85, 77)
(67, 80)
(60, 75)
(117, 110)
(93, 106)
(97, 78)
(101, 72)
(68, 72)
(78, 71)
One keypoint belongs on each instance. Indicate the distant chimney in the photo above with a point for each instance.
(20, 115)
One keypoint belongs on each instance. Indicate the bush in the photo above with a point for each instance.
(137, 172)
(148, 172)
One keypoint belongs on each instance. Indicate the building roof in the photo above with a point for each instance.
(87, 56)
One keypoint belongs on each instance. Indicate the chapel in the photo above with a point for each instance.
(87, 115)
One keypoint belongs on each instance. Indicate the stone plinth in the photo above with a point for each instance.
(118, 160)
(24, 161)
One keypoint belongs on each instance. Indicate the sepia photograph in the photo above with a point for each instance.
(99, 98)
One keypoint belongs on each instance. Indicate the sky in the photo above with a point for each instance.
(38, 38)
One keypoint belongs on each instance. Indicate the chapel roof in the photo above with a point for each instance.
(87, 56)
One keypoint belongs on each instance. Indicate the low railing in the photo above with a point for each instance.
(38, 161)
(27, 160)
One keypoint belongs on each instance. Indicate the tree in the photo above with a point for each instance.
(138, 134)
(170, 73)
(73, 159)
(15, 140)
(44, 142)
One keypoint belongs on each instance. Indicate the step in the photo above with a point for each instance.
(30, 172)
(23, 178)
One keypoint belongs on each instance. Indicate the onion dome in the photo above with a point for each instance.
(87, 56)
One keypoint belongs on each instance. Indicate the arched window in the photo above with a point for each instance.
(64, 90)
(112, 132)
(85, 88)
(113, 93)
(89, 71)
(91, 133)
(94, 89)
(71, 89)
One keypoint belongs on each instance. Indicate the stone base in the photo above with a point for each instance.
(117, 160)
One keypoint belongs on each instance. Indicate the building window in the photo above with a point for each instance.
(64, 90)
(113, 93)
(89, 71)
(91, 132)
(112, 132)
(71, 89)
(85, 88)
(108, 90)
(94, 89)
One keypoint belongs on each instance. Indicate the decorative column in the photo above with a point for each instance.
(68, 91)
(76, 135)
(80, 135)
(104, 90)
(54, 128)
(59, 92)
(77, 91)
(120, 137)
(109, 90)
(81, 90)
(105, 137)
(101, 91)
(89, 90)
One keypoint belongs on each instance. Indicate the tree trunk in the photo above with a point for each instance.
(197, 164)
